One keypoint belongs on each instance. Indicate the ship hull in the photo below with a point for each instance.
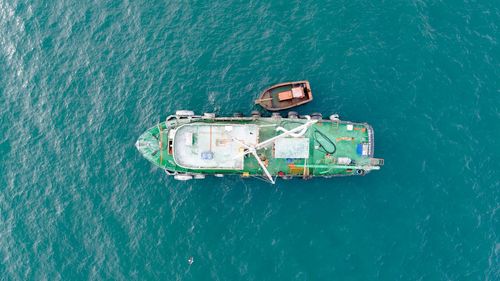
(189, 146)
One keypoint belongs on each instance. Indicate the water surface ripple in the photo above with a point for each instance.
(80, 81)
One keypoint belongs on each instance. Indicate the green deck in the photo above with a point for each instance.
(319, 163)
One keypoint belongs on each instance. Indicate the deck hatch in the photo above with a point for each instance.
(295, 148)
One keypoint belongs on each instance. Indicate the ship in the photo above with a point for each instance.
(189, 146)
(285, 96)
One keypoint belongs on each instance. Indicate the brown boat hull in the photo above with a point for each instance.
(285, 96)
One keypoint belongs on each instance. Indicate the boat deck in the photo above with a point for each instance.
(213, 146)
(322, 154)
(285, 95)
(330, 144)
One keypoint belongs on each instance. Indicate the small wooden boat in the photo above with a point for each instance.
(285, 95)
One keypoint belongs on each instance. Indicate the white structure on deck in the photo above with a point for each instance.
(213, 146)
(291, 148)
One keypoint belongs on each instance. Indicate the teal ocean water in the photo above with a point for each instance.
(81, 80)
